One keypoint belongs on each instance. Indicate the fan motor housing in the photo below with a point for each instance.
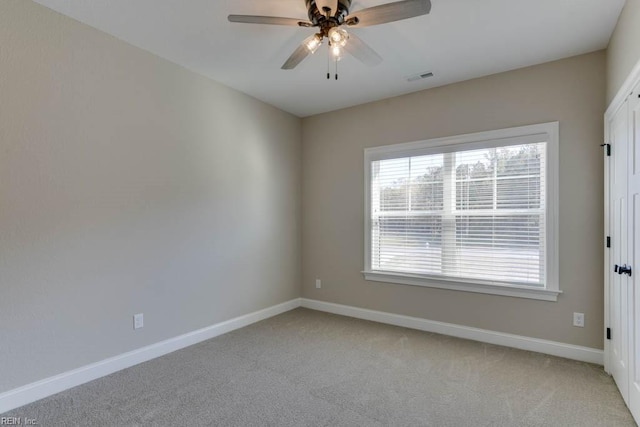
(335, 19)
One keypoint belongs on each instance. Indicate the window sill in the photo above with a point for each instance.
(505, 290)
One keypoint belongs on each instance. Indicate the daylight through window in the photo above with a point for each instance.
(471, 212)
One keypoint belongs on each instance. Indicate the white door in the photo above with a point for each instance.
(618, 288)
(634, 252)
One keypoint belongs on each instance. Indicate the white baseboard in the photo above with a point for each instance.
(40, 389)
(569, 351)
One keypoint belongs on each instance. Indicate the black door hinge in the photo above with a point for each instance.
(608, 241)
(608, 148)
(608, 333)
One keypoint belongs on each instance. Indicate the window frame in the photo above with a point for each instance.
(543, 132)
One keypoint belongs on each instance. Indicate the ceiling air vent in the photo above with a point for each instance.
(420, 76)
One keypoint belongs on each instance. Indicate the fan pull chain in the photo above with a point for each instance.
(329, 65)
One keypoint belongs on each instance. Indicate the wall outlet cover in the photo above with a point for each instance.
(138, 321)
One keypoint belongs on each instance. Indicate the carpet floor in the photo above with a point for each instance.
(307, 368)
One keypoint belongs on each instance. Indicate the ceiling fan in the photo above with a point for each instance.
(330, 17)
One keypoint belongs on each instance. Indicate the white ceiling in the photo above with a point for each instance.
(458, 40)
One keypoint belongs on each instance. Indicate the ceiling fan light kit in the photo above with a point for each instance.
(338, 36)
(330, 21)
(313, 43)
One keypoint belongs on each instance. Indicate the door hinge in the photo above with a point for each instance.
(608, 241)
(608, 333)
(608, 148)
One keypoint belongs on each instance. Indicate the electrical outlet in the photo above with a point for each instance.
(138, 321)
(578, 320)
(318, 283)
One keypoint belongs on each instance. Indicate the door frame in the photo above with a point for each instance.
(632, 80)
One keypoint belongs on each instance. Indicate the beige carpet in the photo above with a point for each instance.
(310, 368)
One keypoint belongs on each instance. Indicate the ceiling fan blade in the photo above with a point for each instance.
(389, 12)
(362, 51)
(296, 57)
(270, 20)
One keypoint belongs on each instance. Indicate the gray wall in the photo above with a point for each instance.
(571, 91)
(624, 48)
(127, 185)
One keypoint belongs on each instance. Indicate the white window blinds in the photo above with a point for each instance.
(474, 215)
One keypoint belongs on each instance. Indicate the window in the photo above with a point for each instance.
(474, 212)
